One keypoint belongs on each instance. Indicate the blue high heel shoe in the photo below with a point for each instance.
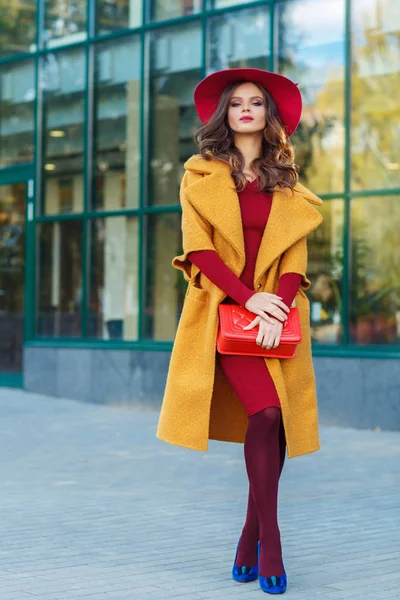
(245, 574)
(273, 584)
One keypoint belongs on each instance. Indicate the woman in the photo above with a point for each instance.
(245, 219)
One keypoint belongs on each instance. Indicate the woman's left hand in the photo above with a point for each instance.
(269, 334)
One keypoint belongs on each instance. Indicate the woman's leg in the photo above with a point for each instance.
(262, 455)
(247, 551)
(250, 379)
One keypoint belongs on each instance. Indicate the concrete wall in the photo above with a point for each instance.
(354, 392)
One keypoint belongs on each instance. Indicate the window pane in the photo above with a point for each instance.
(118, 14)
(225, 3)
(312, 53)
(17, 27)
(113, 293)
(375, 98)
(325, 260)
(12, 269)
(63, 81)
(375, 270)
(239, 40)
(170, 9)
(17, 95)
(165, 287)
(64, 22)
(59, 279)
(175, 64)
(117, 126)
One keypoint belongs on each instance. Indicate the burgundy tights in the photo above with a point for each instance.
(264, 451)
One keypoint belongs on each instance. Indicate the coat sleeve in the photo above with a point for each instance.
(294, 260)
(196, 234)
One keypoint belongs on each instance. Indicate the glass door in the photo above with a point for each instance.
(14, 194)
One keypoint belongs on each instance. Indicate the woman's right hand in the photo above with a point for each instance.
(261, 303)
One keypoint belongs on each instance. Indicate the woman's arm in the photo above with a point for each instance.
(289, 285)
(213, 267)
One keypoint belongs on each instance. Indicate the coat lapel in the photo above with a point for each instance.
(292, 217)
(214, 196)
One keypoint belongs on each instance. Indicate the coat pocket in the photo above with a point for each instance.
(195, 308)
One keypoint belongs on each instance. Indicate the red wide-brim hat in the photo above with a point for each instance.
(284, 91)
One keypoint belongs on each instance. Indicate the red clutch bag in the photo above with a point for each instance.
(231, 339)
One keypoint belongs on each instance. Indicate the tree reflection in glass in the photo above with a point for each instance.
(17, 27)
(325, 260)
(375, 94)
(238, 40)
(65, 22)
(311, 51)
(375, 270)
(175, 72)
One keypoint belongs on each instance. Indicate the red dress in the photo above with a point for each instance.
(248, 375)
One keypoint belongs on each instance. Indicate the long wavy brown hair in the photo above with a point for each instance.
(276, 163)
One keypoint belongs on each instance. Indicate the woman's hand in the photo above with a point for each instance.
(261, 303)
(269, 334)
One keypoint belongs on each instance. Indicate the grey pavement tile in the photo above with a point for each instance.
(368, 580)
(18, 596)
(373, 594)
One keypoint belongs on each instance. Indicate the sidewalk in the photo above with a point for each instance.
(95, 507)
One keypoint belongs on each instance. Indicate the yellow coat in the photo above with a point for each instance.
(198, 402)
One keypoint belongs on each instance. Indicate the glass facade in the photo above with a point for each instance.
(64, 22)
(172, 9)
(175, 68)
(113, 280)
(375, 281)
(239, 42)
(17, 99)
(97, 102)
(375, 115)
(59, 279)
(116, 139)
(63, 116)
(164, 293)
(325, 259)
(12, 267)
(114, 16)
(17, 27)
(313, 54)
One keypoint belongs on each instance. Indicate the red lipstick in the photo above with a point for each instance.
(246, 118)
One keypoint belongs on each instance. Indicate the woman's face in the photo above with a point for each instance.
(246, 109)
